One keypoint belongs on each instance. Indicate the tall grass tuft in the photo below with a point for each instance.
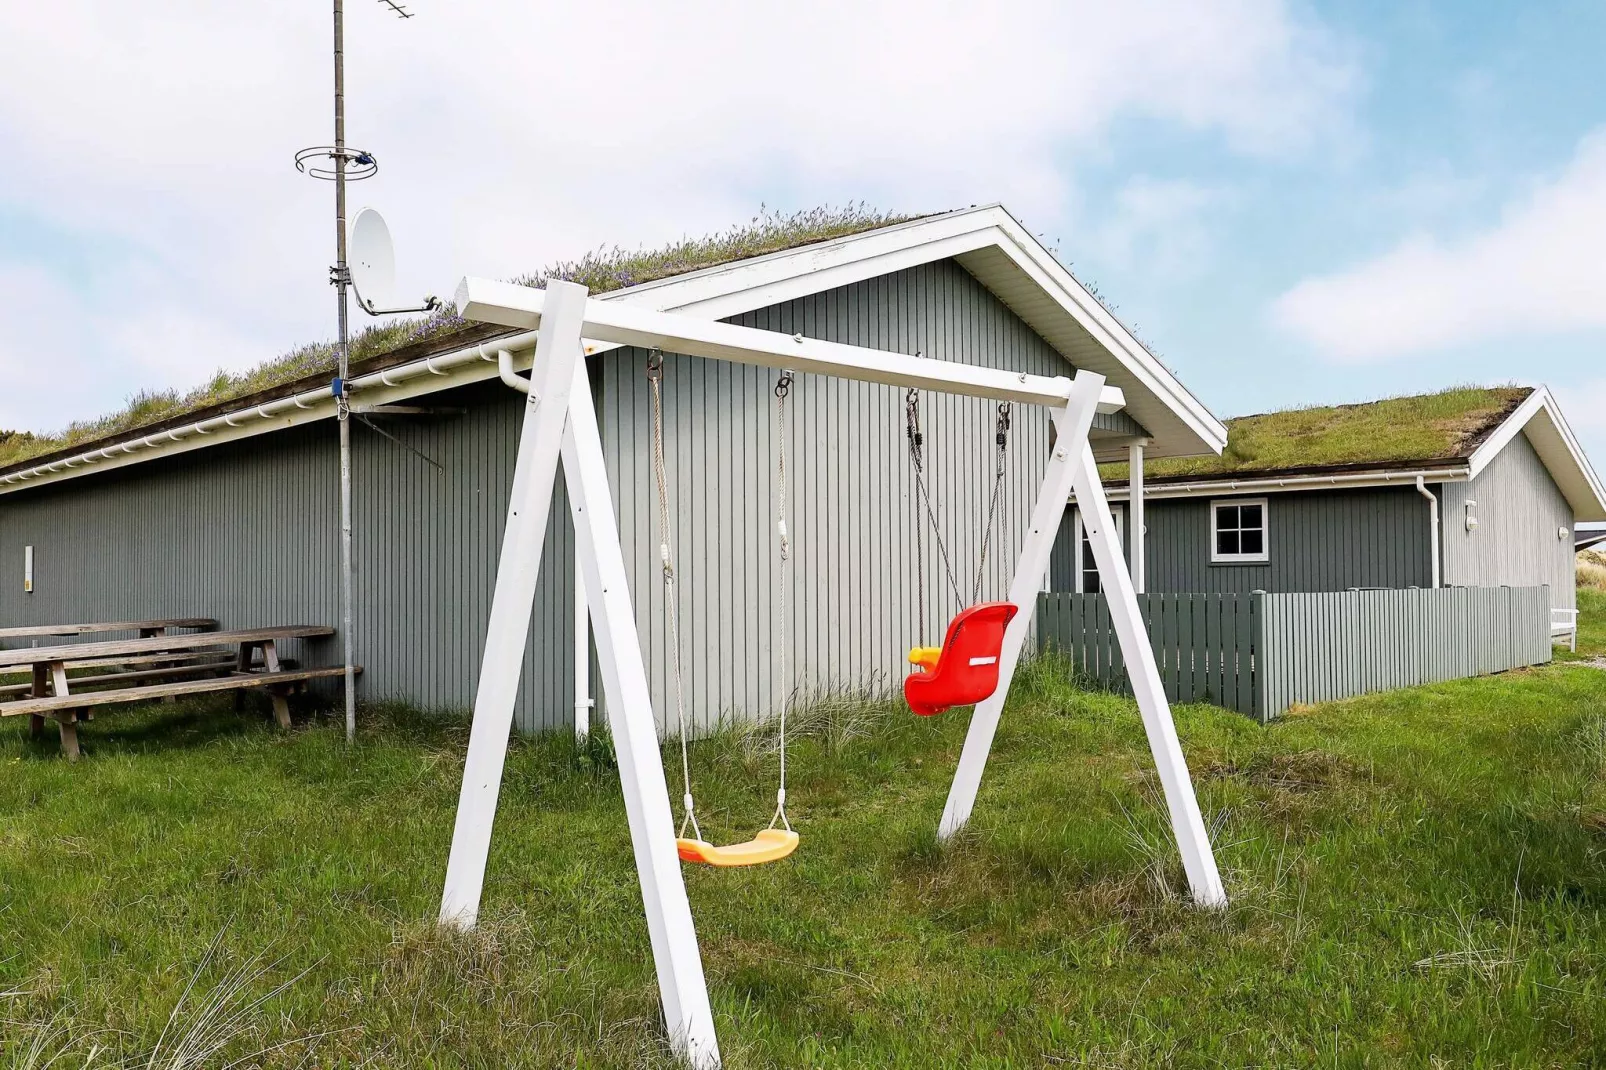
(1591, 566)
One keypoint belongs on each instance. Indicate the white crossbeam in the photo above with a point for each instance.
(520, 306)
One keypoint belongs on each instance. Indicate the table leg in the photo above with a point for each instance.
(242, 663)
(65, 720)
(281, 705)
(41, 688)
(58, 686)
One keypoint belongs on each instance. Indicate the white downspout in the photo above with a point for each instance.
(1433, 523)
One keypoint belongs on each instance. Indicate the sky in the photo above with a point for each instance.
(1290, 203)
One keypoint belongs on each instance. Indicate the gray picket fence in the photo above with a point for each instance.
(1261, 653)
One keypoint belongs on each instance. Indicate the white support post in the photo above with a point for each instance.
(681, 986)
(1071, 424)
(1193, 841)
(1134, 514)
(1072, 465)
(583, 703)
(529, 504)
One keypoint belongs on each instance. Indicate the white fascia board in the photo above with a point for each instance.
(443, 371)
(742, 286)
(1049, 274)
(732, 289)
(1540, 418)
(1215, 488)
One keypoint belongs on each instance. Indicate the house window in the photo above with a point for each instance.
(1238, 531)
(1087, 570)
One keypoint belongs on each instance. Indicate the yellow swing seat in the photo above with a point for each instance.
(770, 845)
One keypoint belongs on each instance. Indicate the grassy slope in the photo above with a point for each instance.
(1394, 429)
(1416, 877)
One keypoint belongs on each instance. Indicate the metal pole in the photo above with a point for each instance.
(342, 402)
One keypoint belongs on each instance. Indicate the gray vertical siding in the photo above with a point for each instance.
(1318, 541)
(246, 532)
(853, 516)
(1520, 512)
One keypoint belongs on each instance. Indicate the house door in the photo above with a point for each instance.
(1087, 571)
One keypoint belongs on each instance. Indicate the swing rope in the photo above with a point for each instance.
(783, 387)
(655, 376)
(917, 441)
(1001, 443)
(916, 438)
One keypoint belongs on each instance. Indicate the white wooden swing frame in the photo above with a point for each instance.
(559, 420)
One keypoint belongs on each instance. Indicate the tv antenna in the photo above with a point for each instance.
(340, 163)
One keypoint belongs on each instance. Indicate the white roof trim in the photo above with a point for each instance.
(1540, 418)
(1178, 423)
(1215, 488)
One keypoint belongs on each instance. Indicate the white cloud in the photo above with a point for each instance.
(1160, 225)
(1538, 270)
(512, 134)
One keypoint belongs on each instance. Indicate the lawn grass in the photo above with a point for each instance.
(1417, 880)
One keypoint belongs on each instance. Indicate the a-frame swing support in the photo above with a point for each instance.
(560, 420)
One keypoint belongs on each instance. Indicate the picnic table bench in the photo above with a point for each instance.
(50, 693)
(146, 628)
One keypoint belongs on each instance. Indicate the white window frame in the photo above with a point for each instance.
(1116, 511)
(1261, 558)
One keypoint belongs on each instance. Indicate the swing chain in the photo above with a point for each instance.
(1006, 411)
(917, 441)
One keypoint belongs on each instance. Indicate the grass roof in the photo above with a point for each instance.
(1424, 427)
(603, 270)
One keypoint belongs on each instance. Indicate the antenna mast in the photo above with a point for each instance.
(350, 165)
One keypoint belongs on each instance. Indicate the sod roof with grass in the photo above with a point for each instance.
(1403, 431)
(403, 340)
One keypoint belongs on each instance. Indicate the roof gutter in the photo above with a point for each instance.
(1353, 480)
(389, 384)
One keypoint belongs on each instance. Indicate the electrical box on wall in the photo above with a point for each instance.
(27, 569)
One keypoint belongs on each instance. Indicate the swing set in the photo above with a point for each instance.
(974, 664)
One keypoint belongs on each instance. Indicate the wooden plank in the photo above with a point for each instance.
(27, 631)
(153, 673)
(154, 691)
(114, 648)
(118, 664)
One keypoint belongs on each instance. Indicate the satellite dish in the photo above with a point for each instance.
(372, 261)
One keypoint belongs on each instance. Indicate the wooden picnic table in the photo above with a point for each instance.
(51, 693)
(145, 628)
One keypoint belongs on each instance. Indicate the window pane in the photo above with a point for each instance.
(1253, 541)
(1090, 581)
(1227, 516)
(1226, 542)
(1249, 517)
